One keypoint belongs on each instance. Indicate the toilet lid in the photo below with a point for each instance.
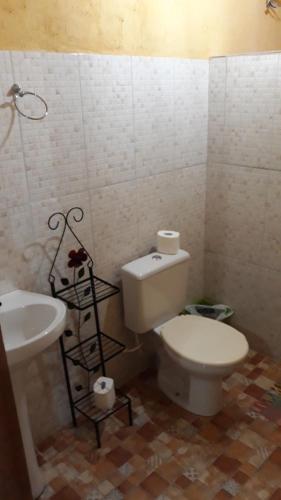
(204, 340)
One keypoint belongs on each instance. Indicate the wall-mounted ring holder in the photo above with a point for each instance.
(272, 4)
(17, 93)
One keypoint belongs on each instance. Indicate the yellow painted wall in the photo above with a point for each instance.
(240, 26)
(184, 28)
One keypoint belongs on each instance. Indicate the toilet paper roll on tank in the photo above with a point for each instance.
(168, 242)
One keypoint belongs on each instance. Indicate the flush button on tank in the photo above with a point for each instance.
(156, 257)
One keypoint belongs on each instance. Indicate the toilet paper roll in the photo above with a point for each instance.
(168, 242)
(104, 393)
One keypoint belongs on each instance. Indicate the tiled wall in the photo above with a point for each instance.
(126, 140)
(243, 228)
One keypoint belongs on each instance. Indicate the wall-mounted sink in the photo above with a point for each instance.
(30, 323)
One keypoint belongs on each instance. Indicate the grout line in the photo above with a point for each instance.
(135, 151)
(88, 187)
(228, 164)
(246, 54)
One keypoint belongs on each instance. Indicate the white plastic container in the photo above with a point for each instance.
(104, 392)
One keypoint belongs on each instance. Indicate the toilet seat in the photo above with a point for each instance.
(203, 340)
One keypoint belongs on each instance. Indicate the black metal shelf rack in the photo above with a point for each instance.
(80, 296)
(90, 357)
(84, 294)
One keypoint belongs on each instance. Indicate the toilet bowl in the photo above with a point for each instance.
(195, 353)
(203, 352)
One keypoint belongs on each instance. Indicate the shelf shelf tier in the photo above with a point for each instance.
(87, 354)
(86, 406)
(80, 295)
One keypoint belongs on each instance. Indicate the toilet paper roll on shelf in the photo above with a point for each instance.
(104, 392)
(168, 242)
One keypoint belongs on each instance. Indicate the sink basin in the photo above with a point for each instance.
(30, 323)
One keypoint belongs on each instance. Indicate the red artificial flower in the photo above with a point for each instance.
(76, 259)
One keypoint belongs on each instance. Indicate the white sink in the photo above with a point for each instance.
(30, 323)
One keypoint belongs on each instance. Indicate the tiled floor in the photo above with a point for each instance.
(170, 453)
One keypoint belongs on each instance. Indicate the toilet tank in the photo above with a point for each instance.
(154, 289)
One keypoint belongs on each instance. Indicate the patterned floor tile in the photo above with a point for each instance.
(172, 454)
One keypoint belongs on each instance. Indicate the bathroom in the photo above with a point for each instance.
(152, 115)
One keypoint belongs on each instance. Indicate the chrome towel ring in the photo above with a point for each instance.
(272, 4)
(17, 92)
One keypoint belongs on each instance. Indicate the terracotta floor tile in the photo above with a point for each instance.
(276, 495)
(148, 431)
(146, 452)
(240, 477)
(265, 429)
(212, 477)
(66, 493)
(275, 437)
(210, 432)
(223, 495)
(103, 469)
(222, 420)
(134, 443)
(173, 492)
(175, 444)
(257, 358)
(270, 474)
(116, 478)
(137, 477)
(240, 451)
(154, 484)
(248, 469)
(255, 373)
(255, 391)
(125, 487)
(275, 458)
(58, 483)
(137, 462)
(197, 491)
(170, 470)
(139, 494)
(118, 456)
(183, 482)
(227, 464)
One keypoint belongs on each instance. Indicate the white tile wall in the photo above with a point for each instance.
(125, 139)
(111, 120)
(13, 186)
(107, 102)
(115, 222)
(250, 108)
(245, 111)
(216, 114)
(53, 148)
(191, 112)
(243, 231)
(153, 85)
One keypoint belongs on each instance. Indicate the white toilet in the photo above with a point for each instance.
(196, 352)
